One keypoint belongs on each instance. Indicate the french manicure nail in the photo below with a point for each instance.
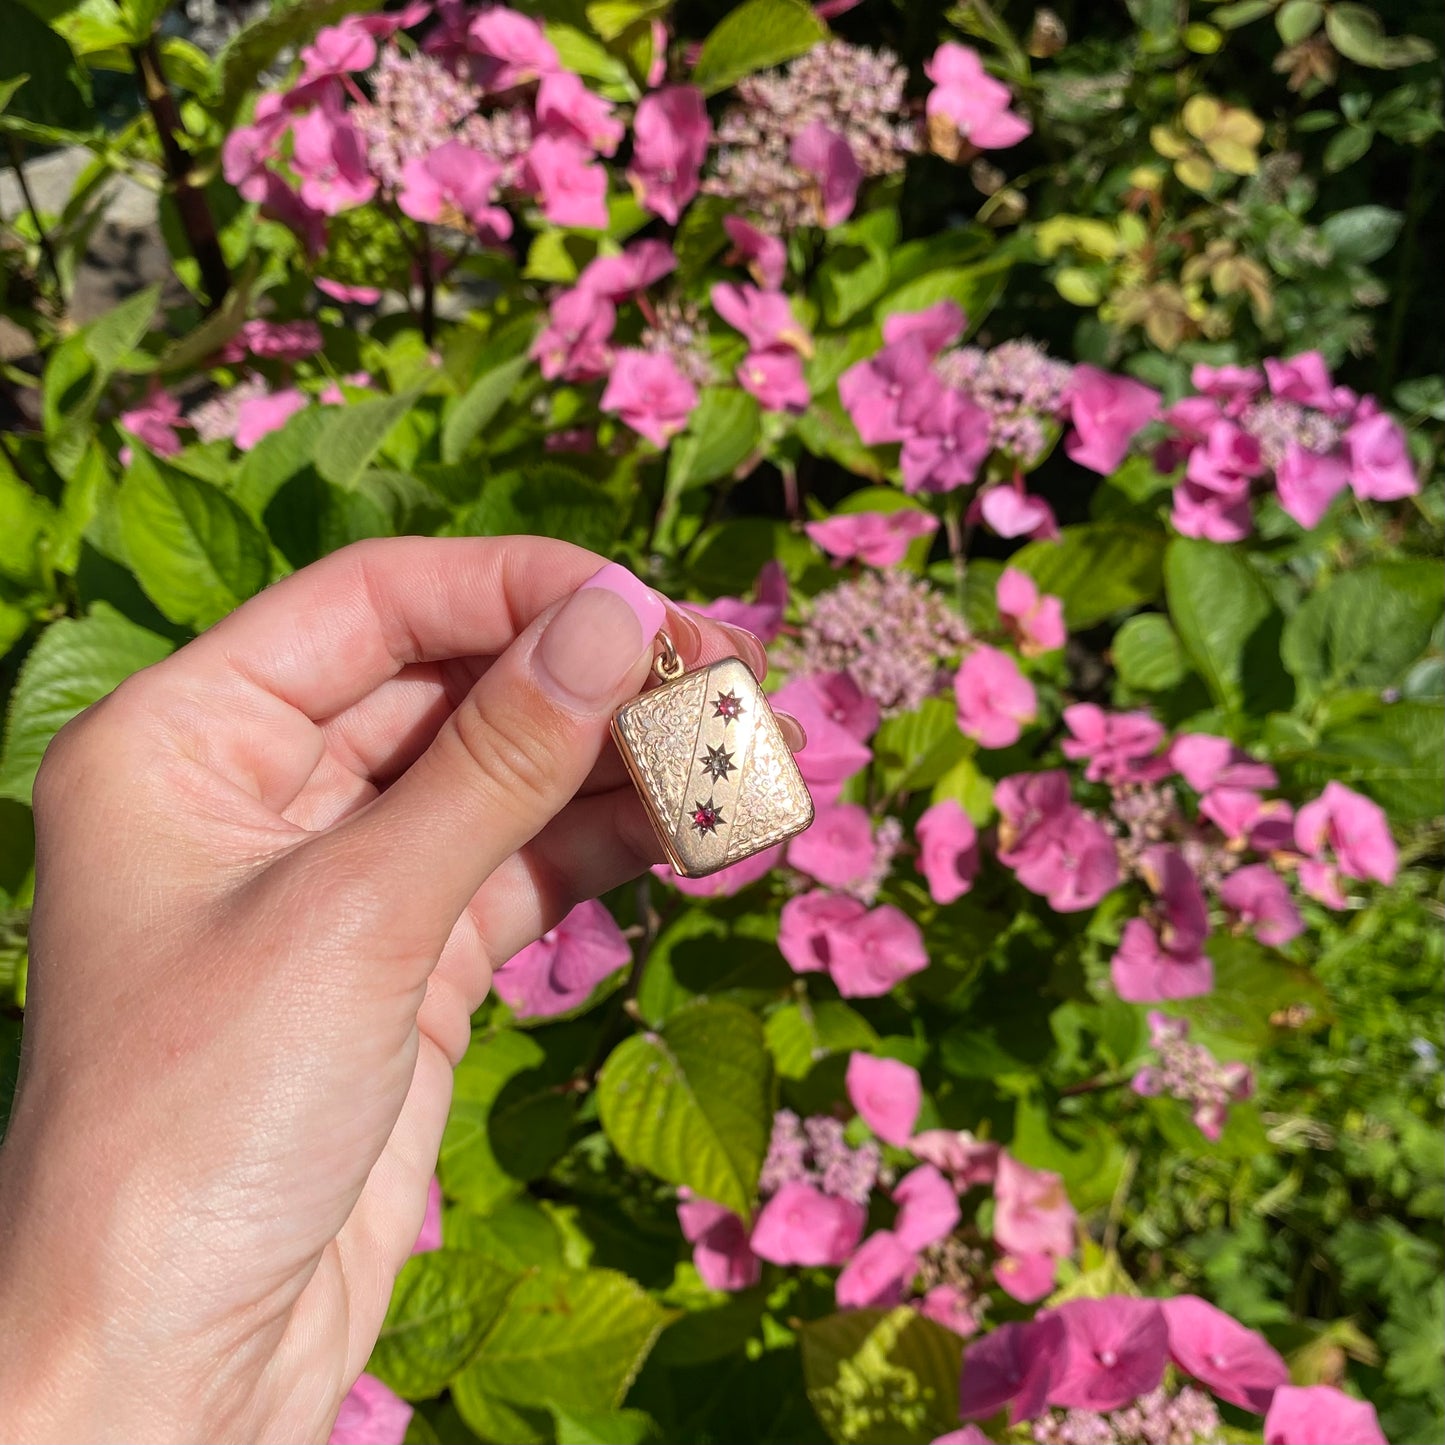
(596, 640)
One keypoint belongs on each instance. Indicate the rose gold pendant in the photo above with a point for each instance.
(707, 755)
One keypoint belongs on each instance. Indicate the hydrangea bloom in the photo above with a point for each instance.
(1034, 619)
(948, 850)
(1320, 1415)
(371, 1414)
(721, 1253)
(1190, 1073)
(560, 970)
(995, 700)
(887, 1095)
(877, 539)
(650, 394)
(1114, 1351)
(670, 133)
(1236, 1363)
(972, 101)
(1012, 1366)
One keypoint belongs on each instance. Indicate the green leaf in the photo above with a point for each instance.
(974, 288)
(277, 458)
(800, 1034)
(723, 431)
(481, 402)
(1226, 620)
(352, 435)
(74, 663)
(503, 1129)
(1397, 756)
(693, 1102)
(701, 954)
(25, 521)
(1362, 233)
(518, 1235)
(854, 273)
(56, 90)
(1297, 20)
(1346, 147)
(1364, 628)
(545, 500)
(141, 16)
(1251, 983)
(876, 1375)
(195, 553)
(1147, 653)
(604, 1427)
(1359, 35)
(1096, 569)
(915, 749)
(442, 1305)
(567, 1339)
(611, 18)
(754, 36)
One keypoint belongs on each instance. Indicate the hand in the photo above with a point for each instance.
(275, 873)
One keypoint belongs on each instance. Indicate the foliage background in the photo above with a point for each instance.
(1116, 236)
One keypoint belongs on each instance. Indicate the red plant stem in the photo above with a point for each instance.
(191, 204)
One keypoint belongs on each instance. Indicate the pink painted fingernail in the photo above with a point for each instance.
(596, 640)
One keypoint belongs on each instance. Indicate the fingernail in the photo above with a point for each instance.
(597, 638)
(750, 648)
(684, 633)
(792, 731)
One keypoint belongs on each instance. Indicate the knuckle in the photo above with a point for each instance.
(515, 763)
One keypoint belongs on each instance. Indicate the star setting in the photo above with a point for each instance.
(728, 706)
(706, 816)
(717, 764)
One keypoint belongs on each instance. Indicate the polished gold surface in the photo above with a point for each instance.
(713, 768)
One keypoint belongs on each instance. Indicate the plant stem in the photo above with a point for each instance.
(191, 204)
(428, 288)
(17, 164)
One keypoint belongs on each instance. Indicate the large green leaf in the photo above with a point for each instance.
(693, 1102)
(973, 288)
(545, 500)
(916, 749)
(604, 1427)
(755, 35)
(568, 1339)
(1096, 569)
(25, 522)
(1396, 755)
(1147, 653)
(855, 270)
(1226, 620)
(196, 554)
(1252, 983)
(352, 435)
(1364, 628)
(800, 1034)
(882, 1375)
(478, 405)
(1359, 35)
(476, 1165)
(56, 91)
(721, 433)
(442, 1306)
(75, 663)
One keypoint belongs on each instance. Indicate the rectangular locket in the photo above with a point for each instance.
(714, 771)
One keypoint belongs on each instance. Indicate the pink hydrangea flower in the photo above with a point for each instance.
(1119, 747)
(272, 341)
(258, 416)
(877, 539)
(967, 1161)
(726, 881)
(1108, 412)
(834, 752)
(947, 447)
(1012, 512)
(840, 700)
(1026, 1277)
(572, 188)
(880, 950)
(246, 150)
(877, 1274)
(1034, 620)
(1354, 829)
(927, 1207)
(1227, 461)
(618, 277)
(1307, 482)
(371, 1415)
(765, 318)
(429, 1237)
(1114, 1351)
(765, 256)
(1184, 919)
(454, 183)
(972, 100)
(838, 849)
(348, 294)
(1012, 1365)
(995, 700)
(802, 1225)
(337, 50)
(511, 47)
(1233, 387)
(154, 423)
(1032, 1214)
(568, 110)
(671, 132)
(721, 1253)
(574, 343)
(1206, 762)
(1257, 897)
(776, 379)
(1211, 515)
(1379, 459)
(326, 152)
(559, 971)
(1055, 848)
(1237, 1364)
(1144, 971)
(810, 926)
(1247, 820)
(1303, 378)
(954, 1309)
(873, 391)
(887, 1095)
(823, 153)
(650, 394)
(763, 616)
(947, 850)
(968, 1434)
(936, 326)
(1320, 1415)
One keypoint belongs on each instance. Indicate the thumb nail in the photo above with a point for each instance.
(593, 644)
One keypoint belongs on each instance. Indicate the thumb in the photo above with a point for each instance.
(509, 758)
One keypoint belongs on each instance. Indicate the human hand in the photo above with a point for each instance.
(275, 873)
